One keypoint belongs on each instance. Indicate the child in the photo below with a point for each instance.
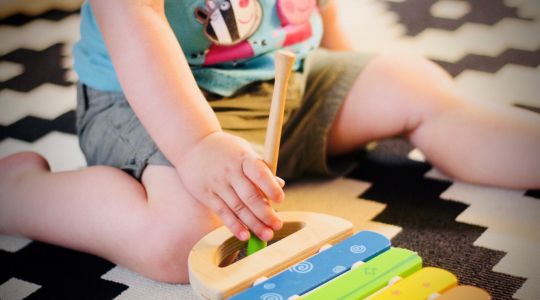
(170, 162)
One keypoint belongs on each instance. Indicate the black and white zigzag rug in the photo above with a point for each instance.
(488, 237)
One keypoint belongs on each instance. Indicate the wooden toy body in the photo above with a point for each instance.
(303, 234)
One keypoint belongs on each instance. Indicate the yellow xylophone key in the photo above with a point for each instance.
(419, 286)
(465, 292)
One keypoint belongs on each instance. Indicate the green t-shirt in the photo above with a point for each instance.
(228, 43)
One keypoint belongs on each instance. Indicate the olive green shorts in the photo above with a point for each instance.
(110, 133)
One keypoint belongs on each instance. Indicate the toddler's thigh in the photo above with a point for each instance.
(110, 133)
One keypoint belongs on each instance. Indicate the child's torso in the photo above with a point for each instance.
(228, 43)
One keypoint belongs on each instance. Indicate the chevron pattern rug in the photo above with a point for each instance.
(488, 237)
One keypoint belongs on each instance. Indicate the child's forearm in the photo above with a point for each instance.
(155, 75)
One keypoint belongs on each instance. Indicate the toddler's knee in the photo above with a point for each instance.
(35, 158)
(16, 167)
(431, 89)
(27, 160)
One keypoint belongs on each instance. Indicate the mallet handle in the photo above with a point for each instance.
(284, 64)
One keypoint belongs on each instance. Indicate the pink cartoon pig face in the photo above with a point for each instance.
(295, 11)
(228, 22)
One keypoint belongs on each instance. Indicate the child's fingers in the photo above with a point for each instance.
(255, 201)
(228, 218)
(257, 227)
(252, 222)
(244, 213)
(259, 173)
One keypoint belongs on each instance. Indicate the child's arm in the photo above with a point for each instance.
(333, 37)
(218, 169)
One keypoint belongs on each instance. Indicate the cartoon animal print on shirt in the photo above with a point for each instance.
(294, 16)
(229, 22)
(231, 26)
(295, 11)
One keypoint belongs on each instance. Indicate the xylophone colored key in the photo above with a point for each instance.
(370, 277)
(319, 268)
(419, 286)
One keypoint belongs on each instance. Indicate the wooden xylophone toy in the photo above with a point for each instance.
(301, 264)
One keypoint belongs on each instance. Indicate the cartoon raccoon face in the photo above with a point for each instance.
(228, 22)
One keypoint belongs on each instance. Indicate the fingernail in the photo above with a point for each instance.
(243, 236)
(267, 234)
(280, 181)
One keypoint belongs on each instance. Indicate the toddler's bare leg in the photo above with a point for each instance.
(147, 227)
(483, 144)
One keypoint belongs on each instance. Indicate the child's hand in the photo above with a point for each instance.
(223, 172)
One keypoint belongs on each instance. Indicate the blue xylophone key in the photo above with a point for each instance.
(319, 268)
